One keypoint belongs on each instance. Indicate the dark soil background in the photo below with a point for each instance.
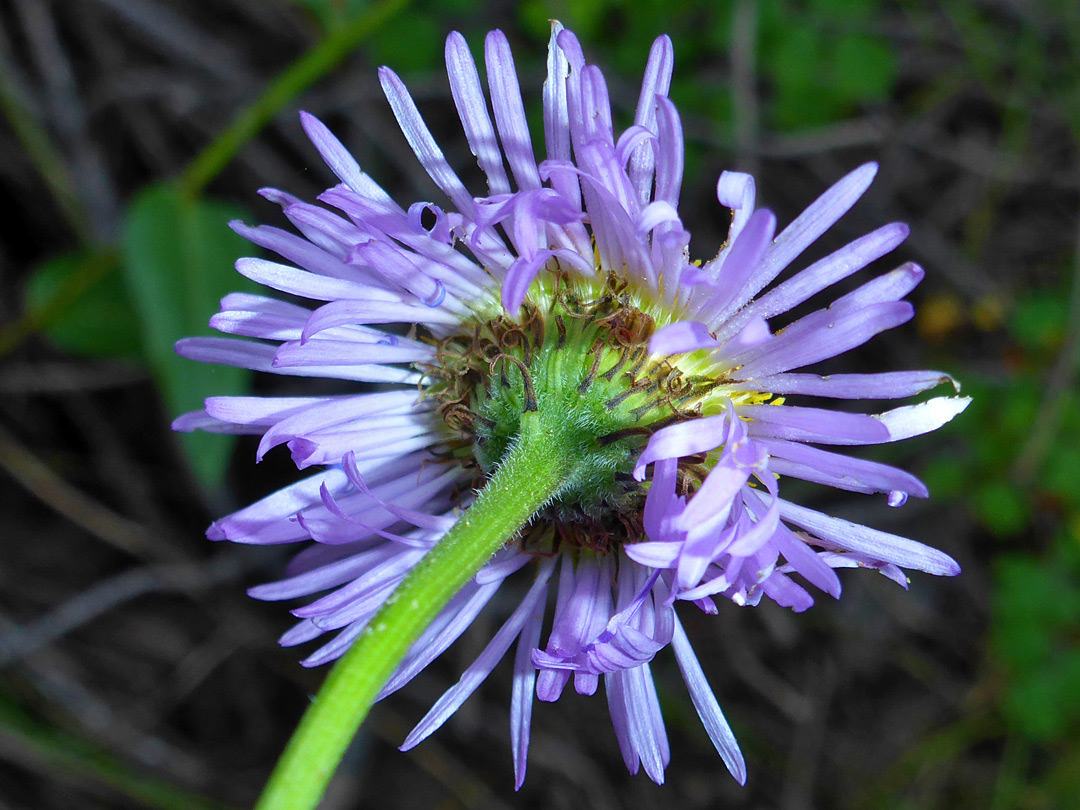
(134, 672)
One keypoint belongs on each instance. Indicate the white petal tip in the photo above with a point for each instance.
(915, 420)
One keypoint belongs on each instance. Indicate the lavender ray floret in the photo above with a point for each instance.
(654, 85)
(478, 671)
(340, 161)
(423, 144)
(840, 471)
(882, 385)
(877, 544)
(706, 705)
(473, 112)
(510, 110)
(522, 690)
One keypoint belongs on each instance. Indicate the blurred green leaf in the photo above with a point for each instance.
(409, 43)
(794, 63)
(1037, 703)
(583, 17)
(1001, 508)
(535, 16)
(946, 477)
(847, 11)
(1062, 472)
(820, 61)
(1017, 407)
(1038, 320)
(1063, 781)
(178, 257)
(82, 305)
(864, 69)
(331, 12)
(1036, 621)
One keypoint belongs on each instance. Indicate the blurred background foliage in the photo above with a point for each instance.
(132, 671)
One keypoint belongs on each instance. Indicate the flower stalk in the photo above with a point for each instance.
(533, 470)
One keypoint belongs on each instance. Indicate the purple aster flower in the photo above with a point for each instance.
(567, 290)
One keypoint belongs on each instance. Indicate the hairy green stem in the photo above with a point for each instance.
(533, 470)
(296, 78)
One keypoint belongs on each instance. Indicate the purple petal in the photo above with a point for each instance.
(885, 385)
(296, 250)
(505, 562)
(660, 503)
(267, 520)
(646, 725)
(737, 191)
(260, 356)
(752, 536)
(655, 554)
(578, 620)
(840, 471)
(806, 561)
(309, 285)
(754, 333)
(330, 447)
(819, 336)
(813, 425)
(335, 648)
(201, 420)
(473, 111)
(339, 160)
(849, 560)
(834, 267)
(804, 231)
(682, 439)
(420, 139)
(740, 261)
(670, 152)
(521, 697)
(425, 521)
(787, 593)
(518, 278)
(656, 82)
(891, 286)
(615, 686)
(441, 633)
(556, 116)
(342, 313)
(684, 336)
(711, 504)
(871, 542)
(262, 325)
(264, 411)
(655, 214)
(385, 566)
(478, 671)
(346, 353)
(509, 110)
(397, 266)
(325, 413)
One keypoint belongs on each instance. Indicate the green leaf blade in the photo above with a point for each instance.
(80, 302)
(177, 257)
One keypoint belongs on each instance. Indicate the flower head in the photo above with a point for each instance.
(568, 292)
